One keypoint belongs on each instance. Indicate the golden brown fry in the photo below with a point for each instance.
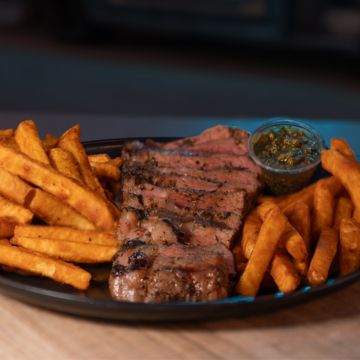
(6, 229)
(64, 162)
(28, 140)
(70, 141)
(284, 273)
(344, 210)
(9, 141)
(323, 257)
(348, 172)
(293, 241)
(60, 271)
(106, 170)
(54, 212)
(324, 204)
(50, 142)
(99, 158)
(4, 242)
(67, 233)
(349, 247)
(7, 132)
(268, 239)
(12, 212)
(90, 205)
(250, 233)
(343, 147)
(68, 250)
(13, 188)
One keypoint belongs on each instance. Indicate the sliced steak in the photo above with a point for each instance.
(196, 162)
(148, 273)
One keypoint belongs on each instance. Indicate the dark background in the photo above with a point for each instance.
(106, 64)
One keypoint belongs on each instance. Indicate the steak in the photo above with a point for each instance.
(182, 206)
(151, 273)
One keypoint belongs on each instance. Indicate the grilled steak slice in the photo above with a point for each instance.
(148, 273)
(157, 206)
(196, 162)
(179, 181)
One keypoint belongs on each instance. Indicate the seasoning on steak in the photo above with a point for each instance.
(183, 204)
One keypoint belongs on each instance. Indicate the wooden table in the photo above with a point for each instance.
(326, 328)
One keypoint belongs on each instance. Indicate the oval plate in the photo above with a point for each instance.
(96, 302)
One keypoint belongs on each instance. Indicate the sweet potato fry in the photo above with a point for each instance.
(7, 132)
(54, 212)
(250, 233)
(348, 172)
(12, 212)
(99, 158)
(268, 239)
(106, 170)
(68, 250)
(349, 247)
(67, 233)
(64, 162)
(284, 273)
(28, 140)
(70, 141)
(323, 257)
(13, 188)
(293, 241)
(60, 271)
(323, 212)
(90, 205)
(6, 229)
(343, 147)
(50, 142)
(343, 210)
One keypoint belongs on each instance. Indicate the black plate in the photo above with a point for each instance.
(96, 302)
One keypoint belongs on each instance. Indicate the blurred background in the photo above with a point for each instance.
(122, 59)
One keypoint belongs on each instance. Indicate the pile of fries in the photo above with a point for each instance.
(303, 237)
(54, 208)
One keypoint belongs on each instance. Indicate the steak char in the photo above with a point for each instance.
(183, 205)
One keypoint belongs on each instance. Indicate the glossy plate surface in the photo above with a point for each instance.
(96, 302)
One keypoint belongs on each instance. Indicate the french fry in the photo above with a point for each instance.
(292, 240)
(349, 247)
(344, 210)
(323, 212)
(7, 132)
(4, 242)
(54, 212)
(299, 217)
(70, 141)
(267, 242)
(90, 205)
(106, 170)
(348, 172)
(64, 162)
(60, 271)
(12, 212)
(6, 229)
(67, 233)
(250, 233)
(9, 141)
(284, 273)
(99, 158)
(76, 252)
(29, 142)
(323, 257)
(50, 142)
(343, 147)
(13, 188)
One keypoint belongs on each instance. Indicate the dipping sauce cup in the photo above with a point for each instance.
(287, 152)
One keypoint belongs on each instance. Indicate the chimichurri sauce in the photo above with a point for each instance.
(286, 147)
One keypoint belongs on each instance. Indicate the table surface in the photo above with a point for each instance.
(325, 328)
